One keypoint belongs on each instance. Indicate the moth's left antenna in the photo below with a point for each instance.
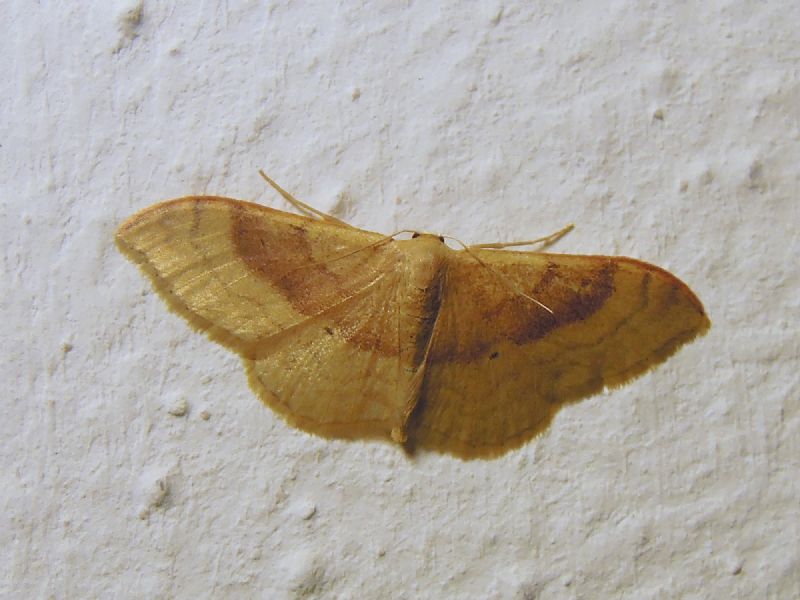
(302, 206)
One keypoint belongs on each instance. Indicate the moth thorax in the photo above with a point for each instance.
(426, 259)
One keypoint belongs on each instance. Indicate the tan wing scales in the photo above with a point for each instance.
(321, 382)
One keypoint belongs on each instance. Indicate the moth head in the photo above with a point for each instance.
(417, 234)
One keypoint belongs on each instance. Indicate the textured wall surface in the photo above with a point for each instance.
(669, 133)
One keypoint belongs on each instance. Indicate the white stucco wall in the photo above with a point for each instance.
(666, 131)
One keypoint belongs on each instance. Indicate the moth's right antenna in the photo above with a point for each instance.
(503, 279)
(545, 241)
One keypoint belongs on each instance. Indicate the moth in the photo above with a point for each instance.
(352, 334)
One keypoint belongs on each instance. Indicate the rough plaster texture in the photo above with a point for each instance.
(665, 131)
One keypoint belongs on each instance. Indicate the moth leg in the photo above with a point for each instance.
(546, 241)
(302, 206)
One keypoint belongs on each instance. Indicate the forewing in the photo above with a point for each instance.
(243, 272)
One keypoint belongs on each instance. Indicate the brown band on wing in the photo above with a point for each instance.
(318, 275)
(573, 294)
(283, 256)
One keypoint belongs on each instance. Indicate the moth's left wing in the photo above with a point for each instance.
(500, 365)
